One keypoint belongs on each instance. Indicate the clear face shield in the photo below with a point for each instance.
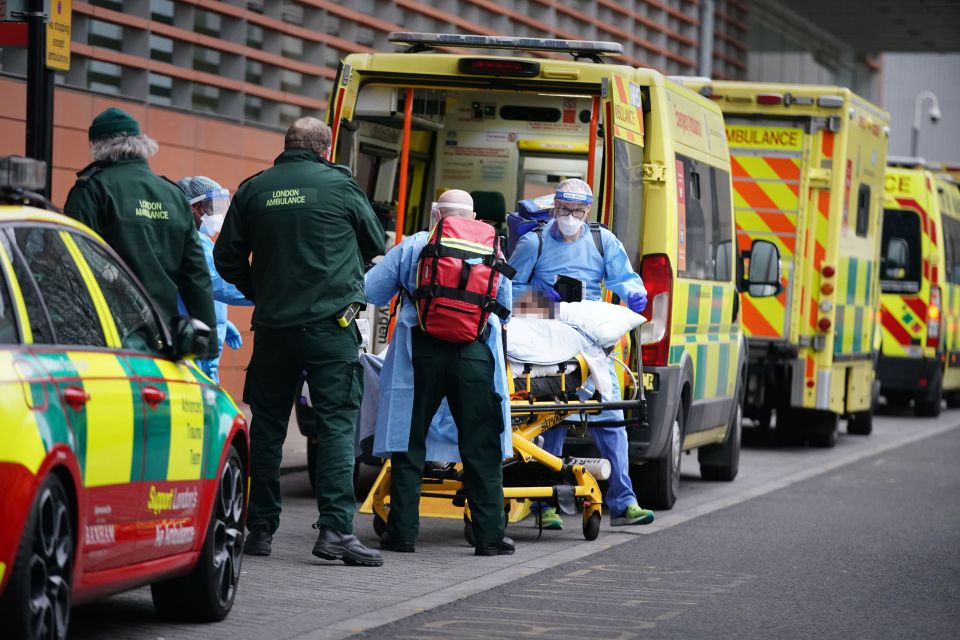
(218, 201)
(571, 210)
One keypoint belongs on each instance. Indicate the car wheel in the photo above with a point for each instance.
(657, 482)
(207, 593)
(37, 599)
(721, 462)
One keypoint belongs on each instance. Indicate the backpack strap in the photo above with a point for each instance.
(597, 240)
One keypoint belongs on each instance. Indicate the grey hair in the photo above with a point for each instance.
(123, 146)
(310, 134)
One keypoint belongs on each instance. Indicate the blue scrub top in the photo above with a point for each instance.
(398, 271)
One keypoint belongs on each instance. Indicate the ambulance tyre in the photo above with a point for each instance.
(37, 599)
(657, 482)
(860, 423)
(928, 405)
(822, 429)
(721, 462)
(952, 398)
(206, 594)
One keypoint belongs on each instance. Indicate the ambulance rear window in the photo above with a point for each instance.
(900, 260)
(951, 241)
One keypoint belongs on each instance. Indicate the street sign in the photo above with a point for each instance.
(58, 35)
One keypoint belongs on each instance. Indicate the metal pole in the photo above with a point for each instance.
(39, 141)
(706, 38)
(926, 94)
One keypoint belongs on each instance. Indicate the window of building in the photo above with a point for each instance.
(289, 113)
(292, 47)
(254, 72)
(162, 11)
(161, 48)
(132, 314)
(253, 108)
(66, 298)
(207, 60)
(116, 5)
(105, 35)
(706, 242)
(255, 5)
(206, 98)
(161, 89)
(292, 12)
(291, 81)
(207, 23)
(104, 77)
(254, 36)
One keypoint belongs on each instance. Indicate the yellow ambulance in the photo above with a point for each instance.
(808, 164)
(920, 288)
(509, 128)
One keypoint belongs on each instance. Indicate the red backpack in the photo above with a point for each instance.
(454, 296)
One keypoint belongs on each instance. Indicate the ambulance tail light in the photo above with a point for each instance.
(933, 318)
(655, 333)
(770, 98)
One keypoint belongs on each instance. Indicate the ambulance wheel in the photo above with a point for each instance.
(206, 594)
(860, 423)
(721, 462)
(379, 525)
(468, 532)
(591, 526)
(822, 429)
(37, 599)
(657, 482)
(952, 398)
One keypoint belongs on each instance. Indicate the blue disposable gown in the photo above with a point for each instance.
(581, 260)
(224, 293)
(398, 271)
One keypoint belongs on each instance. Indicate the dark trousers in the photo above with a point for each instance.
(329, 354)
(463, 373)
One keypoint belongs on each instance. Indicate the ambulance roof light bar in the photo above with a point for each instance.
(907, 162)
(590, 49)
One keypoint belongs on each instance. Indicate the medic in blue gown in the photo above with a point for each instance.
(209, 202)
(568, 249)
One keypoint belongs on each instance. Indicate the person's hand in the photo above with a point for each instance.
(234, 339)
(637, 301)
(551, 294)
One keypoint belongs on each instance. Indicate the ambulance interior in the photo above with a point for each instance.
(502, 146)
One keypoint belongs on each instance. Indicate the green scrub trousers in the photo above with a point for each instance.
(330, 354)
(463, 373)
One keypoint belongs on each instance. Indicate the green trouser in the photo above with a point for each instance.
(463, 373)
(330, 356)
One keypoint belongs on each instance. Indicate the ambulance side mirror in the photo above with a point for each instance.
(191, 338)
(762, 270)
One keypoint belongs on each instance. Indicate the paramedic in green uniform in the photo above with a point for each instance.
(144, 217)
(310, 230)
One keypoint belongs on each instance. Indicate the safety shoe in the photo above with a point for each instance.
(333, 545)
(503, 547)
(258, 542)
(399, 546)
(548, 519)
(633, 514)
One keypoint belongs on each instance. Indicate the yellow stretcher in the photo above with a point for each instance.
(537, 404)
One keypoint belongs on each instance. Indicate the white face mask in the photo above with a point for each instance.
(211, 224)
(569, 225)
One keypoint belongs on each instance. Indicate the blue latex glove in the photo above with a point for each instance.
(551, 294)
(637, 301)
(234, 339)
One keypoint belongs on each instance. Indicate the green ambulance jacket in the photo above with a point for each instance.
(146, 219)
(311, 230)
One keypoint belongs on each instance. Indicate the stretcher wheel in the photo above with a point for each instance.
(379, 525)
(468, 532)
(591, 526)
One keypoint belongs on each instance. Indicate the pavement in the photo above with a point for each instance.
(294, 595)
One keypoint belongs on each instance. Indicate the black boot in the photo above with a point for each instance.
(333, 545)
(503, 547)
(258, 543)
(389, 544)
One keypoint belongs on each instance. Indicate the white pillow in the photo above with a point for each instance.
(604, 322)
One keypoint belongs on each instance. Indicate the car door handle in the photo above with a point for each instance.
(153, 396)
(75, 397)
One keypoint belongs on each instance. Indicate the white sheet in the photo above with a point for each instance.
(541, 341)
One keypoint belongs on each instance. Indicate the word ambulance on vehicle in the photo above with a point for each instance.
(920, 288)
(808, 165)
(413, 124)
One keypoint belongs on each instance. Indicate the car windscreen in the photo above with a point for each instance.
(900, 259)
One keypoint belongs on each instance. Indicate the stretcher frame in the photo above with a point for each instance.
(445, 496)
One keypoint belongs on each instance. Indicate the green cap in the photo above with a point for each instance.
(113, 122)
